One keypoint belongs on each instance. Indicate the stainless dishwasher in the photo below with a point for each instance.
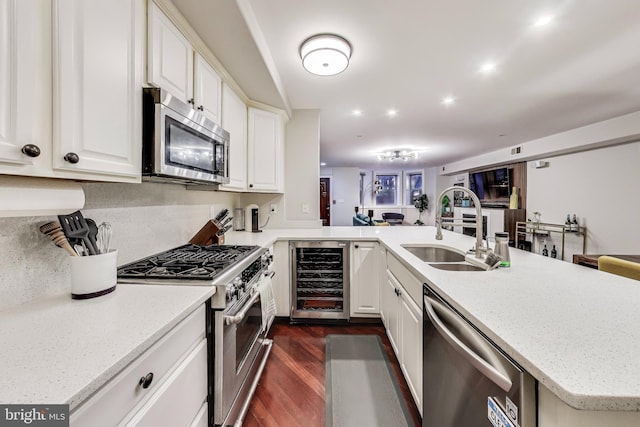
(467, 380)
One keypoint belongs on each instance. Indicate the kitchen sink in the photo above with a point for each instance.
(457, 266)
(435, 253)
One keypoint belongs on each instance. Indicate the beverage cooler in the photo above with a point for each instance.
(319, 281)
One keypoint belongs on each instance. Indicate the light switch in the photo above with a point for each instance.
(305, 208)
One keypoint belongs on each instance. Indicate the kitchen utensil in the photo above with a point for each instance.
(226, 222)
(221, 215)
(75, 227)
(224, 230)
(104, 237)
(80, 250)
(55, 233)
(93, 233)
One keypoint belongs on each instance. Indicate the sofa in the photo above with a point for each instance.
(361, 219)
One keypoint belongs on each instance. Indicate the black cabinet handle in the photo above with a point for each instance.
(191, 101)
(31, 150)
(201, 108)
(397, 291)
(72, 158)
(356, 246)
(145, 381)
(250, 185)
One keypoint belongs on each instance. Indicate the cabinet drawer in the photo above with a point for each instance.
(409, 282)
(178, 400)
(123, 392)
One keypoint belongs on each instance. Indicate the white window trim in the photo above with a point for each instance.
(399, 188)
(405, 176)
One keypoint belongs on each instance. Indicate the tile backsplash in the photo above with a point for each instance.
(146, 218)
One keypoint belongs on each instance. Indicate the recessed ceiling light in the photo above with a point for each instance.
(323, 164)
(357, 112)
(488, 67)
(448, 100)
(392, 113)
(543, 20)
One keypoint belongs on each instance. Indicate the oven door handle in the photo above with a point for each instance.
(238, 317)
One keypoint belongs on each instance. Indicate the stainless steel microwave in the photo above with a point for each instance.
(180, 144)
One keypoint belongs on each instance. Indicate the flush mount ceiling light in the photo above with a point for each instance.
(398, 155)
(325, 54)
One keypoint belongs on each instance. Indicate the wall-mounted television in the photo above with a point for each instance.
(492, 187)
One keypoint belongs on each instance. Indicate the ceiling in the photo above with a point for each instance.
(581, 68)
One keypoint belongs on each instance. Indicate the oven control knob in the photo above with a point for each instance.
(230, 294)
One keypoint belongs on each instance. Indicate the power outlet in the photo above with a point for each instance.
(305, 208)
(274, 208)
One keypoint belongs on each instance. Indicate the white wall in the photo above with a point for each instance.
(610, 132)
(302, 166)
(601, 187)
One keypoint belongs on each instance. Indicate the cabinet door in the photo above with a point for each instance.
(207, 87)
(365, 288)
(170, 61)
(390, 308)
(234, 121)
(411, 346)
(25, 87)
(264, 150)
(98, 88)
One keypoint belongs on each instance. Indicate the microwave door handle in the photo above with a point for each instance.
(238, 317)
(489, 371)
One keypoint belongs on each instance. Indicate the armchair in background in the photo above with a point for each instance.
(361, 219)
(393, 218)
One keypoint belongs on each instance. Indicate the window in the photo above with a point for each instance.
(388, 195)
(412, 186)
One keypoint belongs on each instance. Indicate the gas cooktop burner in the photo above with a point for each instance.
(186, 262)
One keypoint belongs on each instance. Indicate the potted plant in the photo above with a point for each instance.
(421, 203)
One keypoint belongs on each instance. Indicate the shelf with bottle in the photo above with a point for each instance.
(539, 230)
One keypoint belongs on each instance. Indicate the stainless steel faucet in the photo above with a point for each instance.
(479, 248)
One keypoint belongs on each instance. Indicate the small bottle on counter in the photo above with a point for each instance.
(545, 251)
(554, 252)
(574, 223)
(567, 224)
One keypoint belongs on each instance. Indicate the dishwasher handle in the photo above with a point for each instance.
(489, 371)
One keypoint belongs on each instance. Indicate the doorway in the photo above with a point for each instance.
(325, 201)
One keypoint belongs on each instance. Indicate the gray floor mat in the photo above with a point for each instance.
(360, 387)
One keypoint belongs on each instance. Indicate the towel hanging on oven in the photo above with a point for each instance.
(268, 302)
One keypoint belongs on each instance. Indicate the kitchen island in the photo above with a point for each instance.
(573, 328)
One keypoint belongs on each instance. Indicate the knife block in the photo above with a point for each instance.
(207, 235)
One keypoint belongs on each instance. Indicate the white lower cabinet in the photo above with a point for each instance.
(402, 317)
(365, 286)
(165, 385)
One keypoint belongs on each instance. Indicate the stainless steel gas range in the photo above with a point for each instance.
(237, 331)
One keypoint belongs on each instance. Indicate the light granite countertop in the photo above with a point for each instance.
(575, 329)
(61, 350)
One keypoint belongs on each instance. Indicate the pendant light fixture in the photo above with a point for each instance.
(325, 54)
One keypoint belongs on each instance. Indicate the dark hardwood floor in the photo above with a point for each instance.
(291, 390)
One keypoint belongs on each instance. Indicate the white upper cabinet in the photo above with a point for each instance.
(71, 83)
(97, 87)
(234, 121)
(265, 151)
(207, 87)
(25, 87)
(174, 66)
(170, 62)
